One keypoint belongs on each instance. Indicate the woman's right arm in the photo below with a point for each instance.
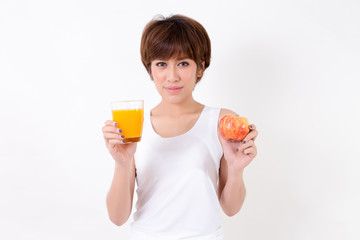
(120, 196)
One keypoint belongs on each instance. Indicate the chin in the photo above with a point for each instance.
(174, 99)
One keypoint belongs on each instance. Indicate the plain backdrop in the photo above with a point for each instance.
(291, 67)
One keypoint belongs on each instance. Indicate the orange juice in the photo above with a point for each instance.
(130, 121)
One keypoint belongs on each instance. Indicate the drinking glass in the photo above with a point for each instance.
(129, 115)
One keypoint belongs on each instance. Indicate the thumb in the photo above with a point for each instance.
(227, 145)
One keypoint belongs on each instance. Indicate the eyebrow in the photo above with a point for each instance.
(177, 59)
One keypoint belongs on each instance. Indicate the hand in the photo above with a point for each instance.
(239, 154)
(121, 152)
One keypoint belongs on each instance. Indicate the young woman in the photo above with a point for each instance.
(184, 170)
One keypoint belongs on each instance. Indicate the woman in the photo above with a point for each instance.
(183, 167)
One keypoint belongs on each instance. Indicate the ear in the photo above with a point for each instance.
(201, 69)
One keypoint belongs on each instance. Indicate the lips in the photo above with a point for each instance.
(173, 90)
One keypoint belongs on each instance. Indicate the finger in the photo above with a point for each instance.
(248, 144)
(252, 127)
(110, 123)
(113, 142)
(251, 151)
(109, 136)
(250, 136)
(111, 129)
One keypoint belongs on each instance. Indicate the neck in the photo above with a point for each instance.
(190, 105)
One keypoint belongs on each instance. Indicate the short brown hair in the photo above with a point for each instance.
(175, 36)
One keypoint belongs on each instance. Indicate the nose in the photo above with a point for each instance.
(172, 74)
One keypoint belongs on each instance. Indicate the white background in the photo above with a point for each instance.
(291, 67)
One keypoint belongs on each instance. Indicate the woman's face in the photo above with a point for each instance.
(175, 78)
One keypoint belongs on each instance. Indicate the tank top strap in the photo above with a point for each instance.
(209, 116)
(207, 126)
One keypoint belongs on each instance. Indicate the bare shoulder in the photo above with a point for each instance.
(225, 111)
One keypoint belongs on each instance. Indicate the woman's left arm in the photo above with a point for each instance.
(237, 155)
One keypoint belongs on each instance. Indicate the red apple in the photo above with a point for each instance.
(234, 127)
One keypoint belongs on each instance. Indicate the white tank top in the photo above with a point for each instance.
(177, 183)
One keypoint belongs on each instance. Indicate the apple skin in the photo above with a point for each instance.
(234, 127)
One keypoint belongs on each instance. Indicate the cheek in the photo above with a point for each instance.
(158, 84)
(156, 75)
(192, 76)
(189, 75)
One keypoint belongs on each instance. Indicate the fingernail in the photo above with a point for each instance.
(122, 136)
(251, 126)
(120, 131)
(237, 149)
(115, 124)
(123, 141)
(244, 141)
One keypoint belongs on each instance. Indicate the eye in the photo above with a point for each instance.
(160, 64)
(183, 64)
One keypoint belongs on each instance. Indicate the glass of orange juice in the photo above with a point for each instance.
(129, 115)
